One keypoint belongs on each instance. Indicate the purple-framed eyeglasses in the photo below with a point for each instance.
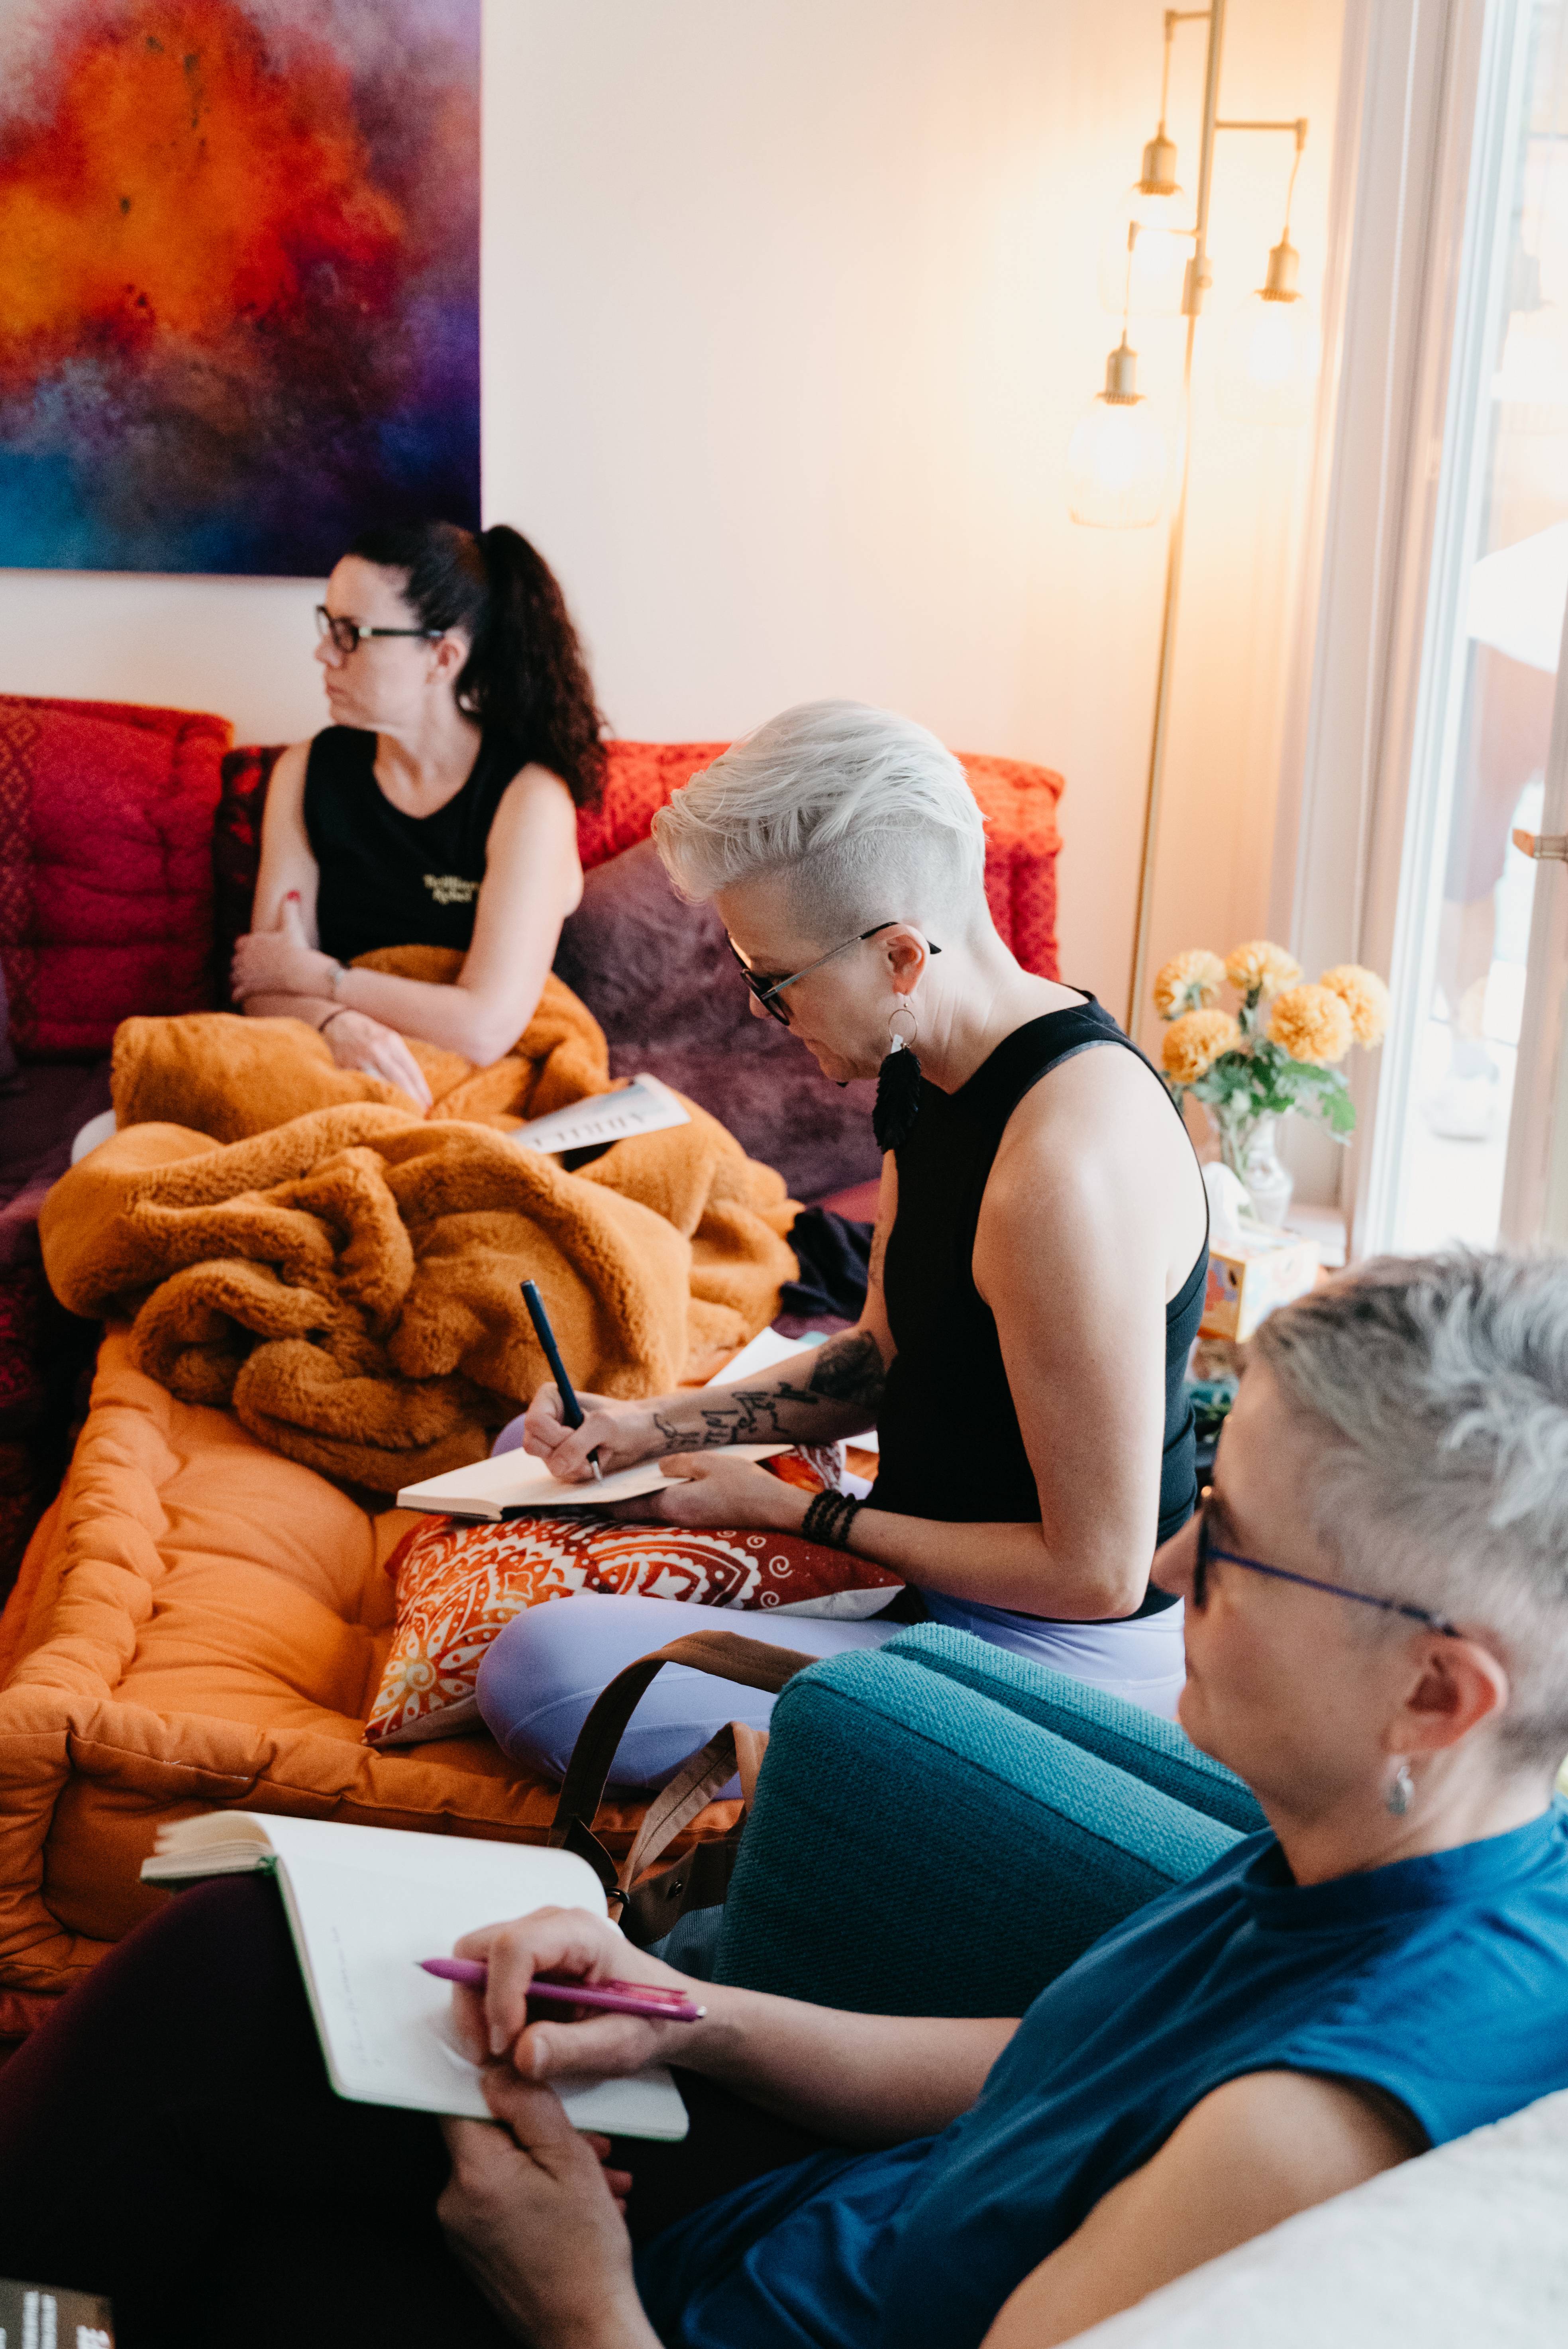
(767, 985)
(1208, 1548)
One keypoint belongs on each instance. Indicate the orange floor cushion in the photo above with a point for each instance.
(199, 1622)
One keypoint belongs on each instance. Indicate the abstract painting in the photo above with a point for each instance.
(238, 279)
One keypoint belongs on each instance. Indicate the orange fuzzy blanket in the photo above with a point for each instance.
(229, 1077)
(349, 1281)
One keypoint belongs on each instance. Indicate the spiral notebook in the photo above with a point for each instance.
(364, 1905)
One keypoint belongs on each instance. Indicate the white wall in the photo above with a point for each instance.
(789, 311)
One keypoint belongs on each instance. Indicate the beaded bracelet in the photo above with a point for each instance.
(829, 1518)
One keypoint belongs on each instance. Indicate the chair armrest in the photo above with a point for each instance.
(917, 1848)
(1137, 1741)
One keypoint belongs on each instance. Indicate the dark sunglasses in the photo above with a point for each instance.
(767, 985)
(1208, 1549)
(346, 635)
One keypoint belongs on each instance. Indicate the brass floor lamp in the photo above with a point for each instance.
(1117, 481)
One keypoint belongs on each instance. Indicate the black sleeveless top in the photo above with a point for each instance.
(389, 879)
(948, 1404)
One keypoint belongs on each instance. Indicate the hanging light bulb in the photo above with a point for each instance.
(1155, 207)
(1151, 221)
(1273, 350)
(1268, 370)
(1118, 458)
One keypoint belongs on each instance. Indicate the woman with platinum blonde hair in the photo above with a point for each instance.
(1377, 1626)
(1036, 1276)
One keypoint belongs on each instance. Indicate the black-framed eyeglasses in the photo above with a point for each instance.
(767, 985)
(1209, 1549)
(346, 635)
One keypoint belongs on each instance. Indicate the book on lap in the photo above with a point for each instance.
(364, 1905)
(516, 1485)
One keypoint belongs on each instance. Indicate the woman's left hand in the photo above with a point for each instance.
(280, 961)
(718, 1492)
(537, 2220)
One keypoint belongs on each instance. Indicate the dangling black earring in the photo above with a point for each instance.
(898, 1086)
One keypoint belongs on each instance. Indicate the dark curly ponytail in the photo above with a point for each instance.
(525, 678)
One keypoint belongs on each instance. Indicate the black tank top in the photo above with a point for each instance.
(951, 1445)
(389, 879)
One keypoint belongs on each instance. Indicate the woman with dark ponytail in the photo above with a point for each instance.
(438, 808)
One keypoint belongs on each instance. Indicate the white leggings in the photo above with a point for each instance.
(543, 1672)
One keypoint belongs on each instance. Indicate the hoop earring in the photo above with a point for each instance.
(897, 1082)
(1401, 1794)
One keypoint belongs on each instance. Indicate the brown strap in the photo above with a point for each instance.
(728, 1656)
(750, 1745)
(691, 1790)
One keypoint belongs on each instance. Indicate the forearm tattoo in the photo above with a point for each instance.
(849, 1369)
(846, 1368)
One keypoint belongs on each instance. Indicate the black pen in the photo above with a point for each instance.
(546, 1335)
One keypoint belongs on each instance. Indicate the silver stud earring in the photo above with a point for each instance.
(1401, 1794)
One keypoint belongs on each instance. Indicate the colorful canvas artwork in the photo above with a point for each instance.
(239, 278)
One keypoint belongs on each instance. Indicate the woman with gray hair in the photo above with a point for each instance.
(1038, 1270)
(1376, 1627)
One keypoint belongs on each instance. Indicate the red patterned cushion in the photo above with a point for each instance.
(237, 848)
(458, 1586)
(105, 877)
(1021, 844)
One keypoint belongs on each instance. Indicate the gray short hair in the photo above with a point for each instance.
(866, 811)
(1441, 1382)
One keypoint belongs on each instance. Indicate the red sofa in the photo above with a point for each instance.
(129, 839)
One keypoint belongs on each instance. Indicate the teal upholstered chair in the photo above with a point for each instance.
(942, 1827)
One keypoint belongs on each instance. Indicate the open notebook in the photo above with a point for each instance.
(516, 1485)
(364, 1905)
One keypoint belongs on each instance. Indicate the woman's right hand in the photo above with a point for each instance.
(493, 2023)
(623, 1434)
(357, 1042)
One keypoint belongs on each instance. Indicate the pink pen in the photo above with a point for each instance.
(615, 1997)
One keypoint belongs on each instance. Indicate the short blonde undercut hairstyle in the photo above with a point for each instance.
(866, 812)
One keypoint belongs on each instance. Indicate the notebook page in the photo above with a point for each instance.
(384, 2023)
(516, 1480)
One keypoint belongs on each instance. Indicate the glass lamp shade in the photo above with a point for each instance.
(1268, 369)
(1116, 462)
(1153, 286)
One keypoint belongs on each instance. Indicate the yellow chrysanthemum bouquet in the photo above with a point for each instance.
(1278, 1051)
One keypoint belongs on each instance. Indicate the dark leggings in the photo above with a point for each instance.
(170, 2138)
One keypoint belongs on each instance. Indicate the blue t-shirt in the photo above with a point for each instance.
(1443, 1981)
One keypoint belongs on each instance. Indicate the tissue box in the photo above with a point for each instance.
(1250, 1272)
